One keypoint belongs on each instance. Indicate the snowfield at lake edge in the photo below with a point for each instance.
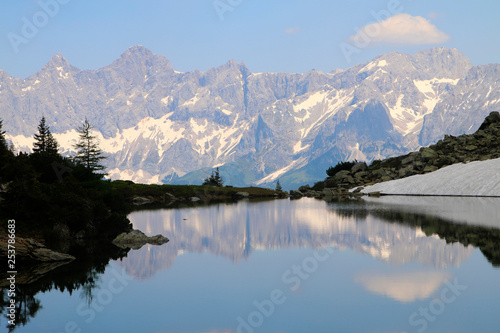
(478, 178)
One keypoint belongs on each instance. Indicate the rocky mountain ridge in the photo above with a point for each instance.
(159, 125)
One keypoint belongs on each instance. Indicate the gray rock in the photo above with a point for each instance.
(409, 159)
(341, 175)
(242, 195)
(327, 193)
(28, 249)
(428, 154)
(169, 197)
(138, 201)
(360, 166)
(304, 188)
(296, 194)
(135, 239)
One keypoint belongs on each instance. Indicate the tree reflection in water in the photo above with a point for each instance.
(81, 274)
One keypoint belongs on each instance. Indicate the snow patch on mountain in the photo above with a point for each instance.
(298, 147)
(311, 101)
(139, 176)
(331, 107)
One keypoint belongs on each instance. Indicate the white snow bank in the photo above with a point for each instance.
(480, 178)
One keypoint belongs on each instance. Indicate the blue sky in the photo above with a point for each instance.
(268, 35)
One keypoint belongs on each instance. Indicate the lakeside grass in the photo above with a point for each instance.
(130, 189)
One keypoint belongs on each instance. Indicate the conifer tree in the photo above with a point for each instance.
(3, 141)
(278, 188)
(5, 152)
(215, 179)
(88, 152)
(45, 143)
(6, 156)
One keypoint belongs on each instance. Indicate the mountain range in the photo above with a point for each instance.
(157, 125)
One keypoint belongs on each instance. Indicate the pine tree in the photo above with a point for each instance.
(45, 143)
(88, 152)
(6, 157)
(278, 186)
(3, 141)
(5, 152)
(215, 179)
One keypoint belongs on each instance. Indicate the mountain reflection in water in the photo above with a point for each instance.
(235, 230)
(387, 258)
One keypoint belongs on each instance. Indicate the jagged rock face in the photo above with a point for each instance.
(463, 110)
(156, 124)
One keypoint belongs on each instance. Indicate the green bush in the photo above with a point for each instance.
(331, 171)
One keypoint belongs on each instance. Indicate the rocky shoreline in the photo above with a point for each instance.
(191, 194)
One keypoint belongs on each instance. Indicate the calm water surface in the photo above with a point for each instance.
(394, 264)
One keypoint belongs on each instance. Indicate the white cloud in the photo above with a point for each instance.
(292, 31)
(400, 29)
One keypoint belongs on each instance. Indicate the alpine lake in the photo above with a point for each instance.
(383, 265)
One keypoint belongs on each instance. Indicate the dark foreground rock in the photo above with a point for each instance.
(135, 239)
(29, 250)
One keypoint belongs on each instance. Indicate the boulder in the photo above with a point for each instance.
(168, 197)
(242, 195)
(409, 159)
(135, 239)
(430, 168)
(29, 250)
(296, 194)
(492, 118)
(194, 199)
(327, 193)
(304, 188)
(314, 194)
(360, 166)
(386, 178)
(358, 190)
(428, 154)
(360, 175)
(341, 175)
(138, 201)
